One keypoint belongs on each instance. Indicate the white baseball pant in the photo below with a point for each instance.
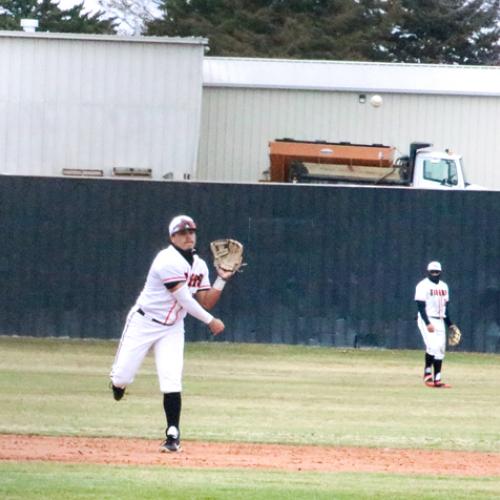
(435, 342)
(139, 336)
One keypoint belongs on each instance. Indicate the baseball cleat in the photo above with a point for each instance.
(441, 385)
(428, 381)
(173, 443)
(118, 392)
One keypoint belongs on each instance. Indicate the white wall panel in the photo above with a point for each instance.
(348, 76)
(99, 102)
(238, 123)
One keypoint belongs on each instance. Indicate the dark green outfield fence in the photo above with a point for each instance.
(326, 265)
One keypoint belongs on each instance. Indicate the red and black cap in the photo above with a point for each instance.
(180, 223)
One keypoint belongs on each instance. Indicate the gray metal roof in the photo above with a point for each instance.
(105, 38)
(351, 76)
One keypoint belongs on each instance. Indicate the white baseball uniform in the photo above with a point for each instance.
(435, 296)
(157, 321)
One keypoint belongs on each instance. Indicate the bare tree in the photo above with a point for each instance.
(131, 15)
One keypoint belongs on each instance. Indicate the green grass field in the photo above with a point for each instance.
(249, 393)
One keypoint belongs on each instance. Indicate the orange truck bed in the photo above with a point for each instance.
(283, 152)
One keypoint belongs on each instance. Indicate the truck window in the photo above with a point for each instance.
(442, 171)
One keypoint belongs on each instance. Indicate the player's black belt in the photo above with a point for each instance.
(436, 317)
(142, 313)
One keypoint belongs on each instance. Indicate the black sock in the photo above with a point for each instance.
(429, 361)
(172, 406)
(437, 369)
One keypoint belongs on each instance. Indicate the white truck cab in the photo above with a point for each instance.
(433, 169)
(438, 170)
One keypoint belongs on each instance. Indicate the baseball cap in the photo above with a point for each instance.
(434, 266)
(179, 223)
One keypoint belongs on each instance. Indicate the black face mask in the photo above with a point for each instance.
(434, 277)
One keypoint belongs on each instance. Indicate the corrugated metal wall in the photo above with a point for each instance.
(327, 265)
(99, 103)
(238, 123)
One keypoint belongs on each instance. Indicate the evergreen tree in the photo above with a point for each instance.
(328, 29)
(443, 31)
(51, 18)
(430, 31)
(312, 29)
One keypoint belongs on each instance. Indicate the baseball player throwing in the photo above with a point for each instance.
(177, 284)
(432, 298)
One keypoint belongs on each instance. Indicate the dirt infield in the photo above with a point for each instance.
(242, 455)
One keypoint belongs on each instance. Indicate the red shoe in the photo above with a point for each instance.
(441, 385)
(428, 381)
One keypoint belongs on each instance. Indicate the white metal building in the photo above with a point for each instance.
(98, 102)
(248, 102)
(156, 106)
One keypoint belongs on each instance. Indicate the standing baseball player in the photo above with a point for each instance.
(177, 284)
(432, 298)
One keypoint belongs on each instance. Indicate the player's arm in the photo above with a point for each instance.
(423, 315)
(183, 296)
(209, 297)
(447, 318)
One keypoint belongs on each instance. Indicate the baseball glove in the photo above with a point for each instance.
(454, 335)
(227, 254)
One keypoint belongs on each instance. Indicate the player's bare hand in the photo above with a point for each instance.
(216, 326)
(225, 275)
(430, 327)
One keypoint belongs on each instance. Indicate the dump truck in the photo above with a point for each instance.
(375, 164)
